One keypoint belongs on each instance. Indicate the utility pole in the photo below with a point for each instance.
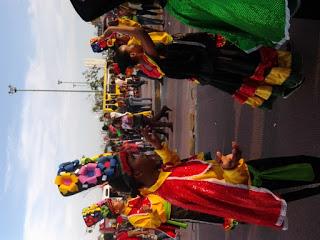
(13, 90)
(74, 84)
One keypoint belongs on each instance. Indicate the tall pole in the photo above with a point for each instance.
(13, 90)
(84, 83)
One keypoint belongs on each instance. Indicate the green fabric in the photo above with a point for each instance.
(167, 208)
(178, 224)
(119, 133)
(293, 172)
(246, 23)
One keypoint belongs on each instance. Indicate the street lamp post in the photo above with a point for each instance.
(74, 83)
(13, 90)
(60, 82)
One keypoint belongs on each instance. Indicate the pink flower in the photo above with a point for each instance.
(89, 173)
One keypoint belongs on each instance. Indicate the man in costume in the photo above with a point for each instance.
(134, 217)
(219, 188)
(248, 24)
(256, 79)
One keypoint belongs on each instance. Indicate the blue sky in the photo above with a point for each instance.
(41, 42)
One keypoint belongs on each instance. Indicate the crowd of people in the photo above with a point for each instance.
(157, 192)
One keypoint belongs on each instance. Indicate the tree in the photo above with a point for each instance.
(94, 77)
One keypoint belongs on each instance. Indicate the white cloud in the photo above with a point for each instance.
(8, 177)
(55, 127)
(8, 171)
(9, 165)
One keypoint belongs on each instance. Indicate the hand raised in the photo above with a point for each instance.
(229, 161)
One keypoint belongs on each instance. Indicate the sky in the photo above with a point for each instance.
(43, 42)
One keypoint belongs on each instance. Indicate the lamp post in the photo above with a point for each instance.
(74, 84)
(13, 90)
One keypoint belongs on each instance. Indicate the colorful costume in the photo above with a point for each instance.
(96, 213)
(200, 186)
(150, 212)
(203, 187)
(248, 24)
(74, 177)
(255, 79)
(99, 44)
(157, 211)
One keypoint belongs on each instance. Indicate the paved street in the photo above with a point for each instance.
(290, 128)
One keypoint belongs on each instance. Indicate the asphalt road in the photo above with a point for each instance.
(292, 127)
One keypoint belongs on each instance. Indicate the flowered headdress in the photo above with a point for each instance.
(74, 177)
(98, 211)
(99, 44)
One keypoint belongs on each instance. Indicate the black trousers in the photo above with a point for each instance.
(179, 213)
(290, 190)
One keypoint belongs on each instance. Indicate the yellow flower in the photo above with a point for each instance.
(91, 209)
(67, 182)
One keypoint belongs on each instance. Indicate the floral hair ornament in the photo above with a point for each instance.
(99, 44)
(67, 183)
(89, 173)
(105, 170)
(108, 165)
(98, 211)
(92, 215)
(68, 166)
(86, 175)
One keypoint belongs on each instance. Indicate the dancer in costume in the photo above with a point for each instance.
(285, 172)
(152, 210)
(256, 79)
(219, 190)
(149, 212)
(190, 178)
(181, 183)
(248, 24)
(114, 40)
(136, 219)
